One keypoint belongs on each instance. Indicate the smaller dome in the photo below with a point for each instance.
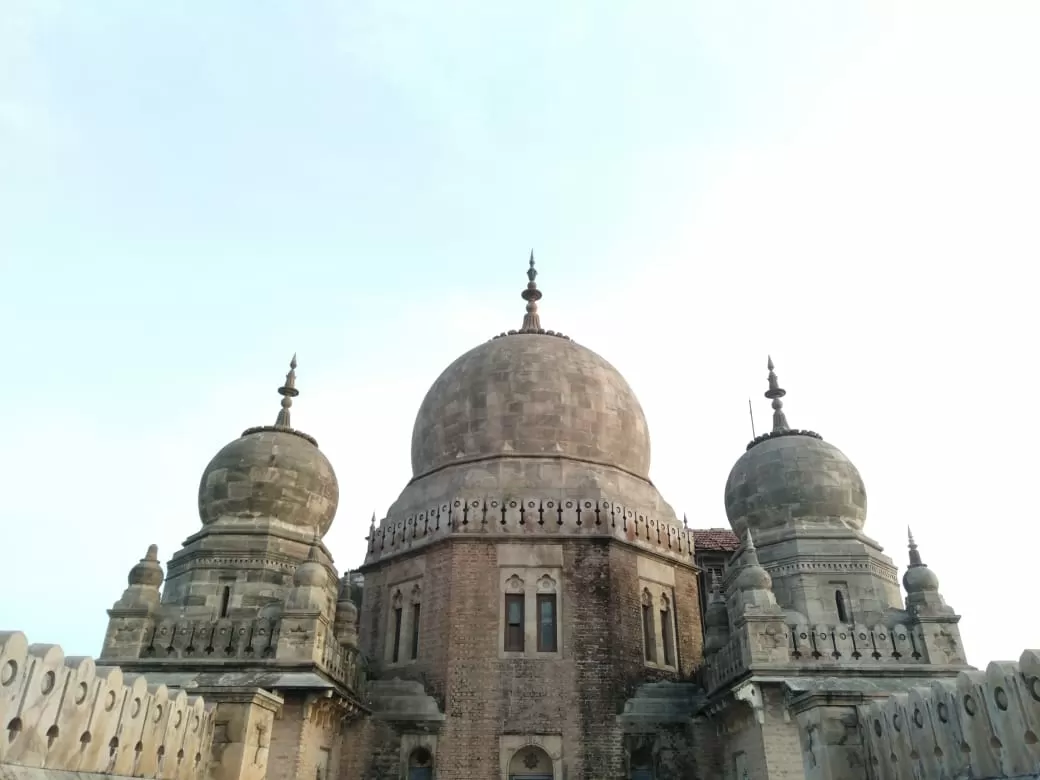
(920, 579)
(791, 477)
(753, 577)
(311, 573)
(272, 471)
(147, 571)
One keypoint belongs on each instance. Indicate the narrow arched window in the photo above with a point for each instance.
(843, 610)
(225, 601)
(667, 635)
(649, 645)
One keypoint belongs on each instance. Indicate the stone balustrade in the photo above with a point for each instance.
(346, 665)
(845, 644)
(982, 724)
(216, 639)
(820, 645)
(520, 516)
(66, 713)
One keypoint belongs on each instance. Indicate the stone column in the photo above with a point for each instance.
(242, 723)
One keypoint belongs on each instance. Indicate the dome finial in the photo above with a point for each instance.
(532, 323)
(749, 547)
(915, 554)
(775, 392)
(288, 392)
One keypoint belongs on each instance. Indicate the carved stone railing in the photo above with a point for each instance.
(217, 639)
(515, 516)
(725, 664)
(845, 644)
(67, 713)
(346, 665)
(982, 724)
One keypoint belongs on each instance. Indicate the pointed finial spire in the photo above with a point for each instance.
(532, 323)
(288, 392)
(373, 523)
(685, 522)
(915, 554)
(749, 548)
(775, 392)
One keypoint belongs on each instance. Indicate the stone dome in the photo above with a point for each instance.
(794, 479)
(918, 578)
(789, 477)
(531, 394)
(147, 572)
(272, 472)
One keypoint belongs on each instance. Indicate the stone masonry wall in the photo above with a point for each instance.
(981, 724)
(69, 714)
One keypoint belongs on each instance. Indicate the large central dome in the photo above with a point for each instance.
(531, 394)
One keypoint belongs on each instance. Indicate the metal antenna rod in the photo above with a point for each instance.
(751, 411)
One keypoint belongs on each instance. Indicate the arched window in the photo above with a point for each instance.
(530, 763)
(667, 634)
(397, 616)
(649, 647)
(843, 610)
(546, 605)
(225, 601)
(641, 764)
(416, 611)
(420, 764)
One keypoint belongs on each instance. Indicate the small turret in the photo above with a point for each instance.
(345, 626)
(716, 619)
(143, 582)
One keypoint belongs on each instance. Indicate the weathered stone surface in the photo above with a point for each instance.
(531, 394)
(270, 473)
(793, 480)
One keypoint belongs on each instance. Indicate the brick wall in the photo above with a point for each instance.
(484, 696)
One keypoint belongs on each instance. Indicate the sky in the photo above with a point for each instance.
(188, 197)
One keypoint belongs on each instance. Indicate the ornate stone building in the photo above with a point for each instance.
(530, 608)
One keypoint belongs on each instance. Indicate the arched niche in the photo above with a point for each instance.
(531, 763)
(641, 763)
(420, 764)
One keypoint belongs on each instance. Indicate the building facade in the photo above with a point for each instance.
(530, 608)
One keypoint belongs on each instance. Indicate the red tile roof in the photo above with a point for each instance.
(715, 539)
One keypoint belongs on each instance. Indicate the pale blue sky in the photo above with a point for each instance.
(190, 192)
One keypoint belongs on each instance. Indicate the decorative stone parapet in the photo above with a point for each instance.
(820, 646)
(982, 724)
(218, 639)
(69, 714)
(527, 516)
(857, 644)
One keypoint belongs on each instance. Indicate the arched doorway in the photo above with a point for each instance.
(530, 763)
(420, 764)
(641, 764)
